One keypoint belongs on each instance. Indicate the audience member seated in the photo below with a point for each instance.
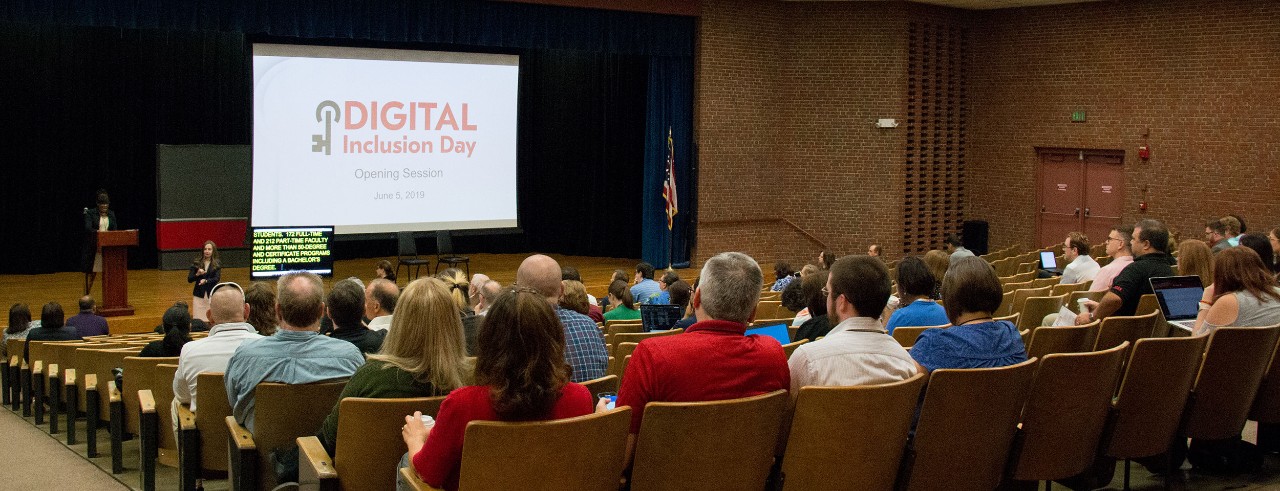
(826, 259)
(818, 324)
(296, 354)
(1244, 294)
(423, 355)
(1274, 238)
(19, 324)
(458, 288)
(1261, 245)
(1195, 259)
(571, 273)
(385, 271)
(712, 360)
(1121, 252)
(177, 333)
(575, 299)
(955, 248)
(784, 274)
(1149, 241)
(1234, 228)
(380, 303)
(1080, 265)
(938, 262)
(471, 324)
(1215, 233)
(261, 298)
(793, 300)
(520, 375)
(88, 322)
(645, 287)
(227, 311)
(857, 351)
(685, 293)
(873, 250)
(344, 307)
(975, 340)
(584, 347)
(664, 297)
(51, 328)
(915, 286)
(473, 290)
(624, 307)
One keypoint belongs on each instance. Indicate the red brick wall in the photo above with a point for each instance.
(787, 92)
(1203, 76)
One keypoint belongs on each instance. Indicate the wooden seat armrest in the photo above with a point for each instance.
(314, 464)
(113, 393)
(186, 418)
(37, 368)
(53, 370)
(15, 360)
(69, 377)
(146, 401)
(90, 382)
(240, 435)
(411, 476)
(25, 366)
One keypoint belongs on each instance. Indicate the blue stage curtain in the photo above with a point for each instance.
(450, 22)
(670, 106)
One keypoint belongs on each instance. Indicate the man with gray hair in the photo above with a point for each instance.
(380, 299)
(296, 354)
(486, 294)
(712, 360)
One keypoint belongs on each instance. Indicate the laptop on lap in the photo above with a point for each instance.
(1049, 263)
(1179, 298)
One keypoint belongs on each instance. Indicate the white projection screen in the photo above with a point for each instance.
(383, 140)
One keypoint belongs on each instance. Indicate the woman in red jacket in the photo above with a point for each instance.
(521, 375)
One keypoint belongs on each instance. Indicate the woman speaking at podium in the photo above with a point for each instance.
(99, 218)
(206, 272)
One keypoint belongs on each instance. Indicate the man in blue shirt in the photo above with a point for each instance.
(296, 354)
(584, 344)
(645, 287)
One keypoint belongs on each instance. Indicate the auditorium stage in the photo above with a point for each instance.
(151, 291)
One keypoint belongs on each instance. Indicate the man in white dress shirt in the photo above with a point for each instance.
(380, 299)
(858, 350)
(1080, 265)
(227, 312)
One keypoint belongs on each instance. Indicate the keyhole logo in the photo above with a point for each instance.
(324, 143)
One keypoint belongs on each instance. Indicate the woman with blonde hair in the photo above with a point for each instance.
(458, 286)
(1196, 259)
(938, 262)
(424, 354)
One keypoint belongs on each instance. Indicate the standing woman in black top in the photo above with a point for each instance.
(99, 218)
(205, 272)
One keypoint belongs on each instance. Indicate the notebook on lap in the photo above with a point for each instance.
(1179, 298)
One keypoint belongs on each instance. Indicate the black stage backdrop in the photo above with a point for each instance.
(84, 108)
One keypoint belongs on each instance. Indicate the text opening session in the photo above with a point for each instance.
(383, 140)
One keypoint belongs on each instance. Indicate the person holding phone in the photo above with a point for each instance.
(205, 272)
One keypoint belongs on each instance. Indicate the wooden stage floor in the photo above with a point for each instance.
(151, 291)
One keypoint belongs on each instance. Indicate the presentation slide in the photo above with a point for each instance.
(277, 251)
(382, 140)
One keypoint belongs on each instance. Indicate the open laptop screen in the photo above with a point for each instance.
(659, 317)
(1179, 296)
(1047, 260)
(776, 331)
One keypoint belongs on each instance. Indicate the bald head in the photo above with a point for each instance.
(227, 305)
(543, 274)
(380, 298)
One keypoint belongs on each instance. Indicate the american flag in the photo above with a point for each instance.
(669, 184)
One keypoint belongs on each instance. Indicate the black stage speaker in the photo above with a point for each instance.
(974, 236)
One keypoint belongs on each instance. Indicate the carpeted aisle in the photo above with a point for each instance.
(33, 460)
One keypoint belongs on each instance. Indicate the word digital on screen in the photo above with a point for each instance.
(280, 250)
(394, 140)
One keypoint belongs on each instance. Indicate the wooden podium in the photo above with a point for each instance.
(115, 271)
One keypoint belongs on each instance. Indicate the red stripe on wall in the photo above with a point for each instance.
(191, 234)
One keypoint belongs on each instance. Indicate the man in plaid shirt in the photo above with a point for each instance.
(584, 344)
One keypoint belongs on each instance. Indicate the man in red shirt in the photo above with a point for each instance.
(712, 360)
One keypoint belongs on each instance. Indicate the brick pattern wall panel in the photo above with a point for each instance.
(1202, 77)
